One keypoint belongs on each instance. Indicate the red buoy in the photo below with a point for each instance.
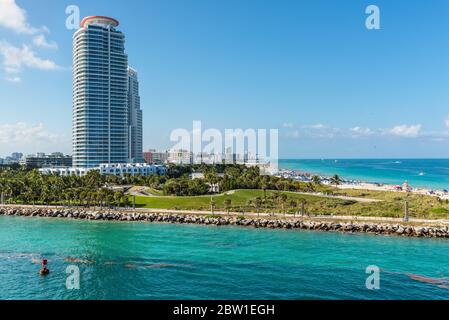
(44, 270)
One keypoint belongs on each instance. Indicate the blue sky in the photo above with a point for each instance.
(310, 68)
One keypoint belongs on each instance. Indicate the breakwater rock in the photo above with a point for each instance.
(262, 222)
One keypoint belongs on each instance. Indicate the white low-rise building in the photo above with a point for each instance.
(117, 169)
(133, 169)
(79, 172)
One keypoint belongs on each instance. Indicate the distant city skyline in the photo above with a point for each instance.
(310, 68)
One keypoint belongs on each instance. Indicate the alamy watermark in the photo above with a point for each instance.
(230, 146)
(373, 280)
(372, 22)
(73, 19)
(73, 279)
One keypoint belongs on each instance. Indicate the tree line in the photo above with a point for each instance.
(22, 185)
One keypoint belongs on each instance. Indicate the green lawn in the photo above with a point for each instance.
(239, 199)
(391, 206)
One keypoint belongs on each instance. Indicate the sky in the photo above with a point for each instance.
(309, 68)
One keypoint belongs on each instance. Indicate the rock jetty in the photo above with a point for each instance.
(406, 230)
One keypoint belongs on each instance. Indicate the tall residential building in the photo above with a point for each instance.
(100, 94)
(134, 119)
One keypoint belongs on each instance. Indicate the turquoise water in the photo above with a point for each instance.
(168, 261)
(429, 173)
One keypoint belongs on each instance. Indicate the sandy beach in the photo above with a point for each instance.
(359, 185)
(393, 188)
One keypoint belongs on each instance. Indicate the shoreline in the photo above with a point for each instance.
(344, 224)
(304, 176)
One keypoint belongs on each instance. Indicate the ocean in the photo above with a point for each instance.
(135, 260)
(425, 173)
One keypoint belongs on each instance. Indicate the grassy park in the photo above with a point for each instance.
(242, 190)
(388, 204)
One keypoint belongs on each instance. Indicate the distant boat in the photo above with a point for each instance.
(421, 173)
(397, 162)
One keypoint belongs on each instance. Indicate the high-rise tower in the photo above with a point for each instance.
(100, 94)
(134, 118)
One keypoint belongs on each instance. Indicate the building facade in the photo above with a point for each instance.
(155, 157)
(180, 156)
(52, 160)
(100, 94)
(116, 169)
(133, 169)
(65, 172)
(14, 158)
(135, 131)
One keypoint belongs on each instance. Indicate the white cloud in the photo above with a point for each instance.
(321, 131)
(287, 125)
(13, 79)
(41, 41)
(31, 138)
(11, 70)
(15, 59)
(318, 126)
(23, 133)
(446, 121)
(15, 18)
(361, 132)
(405, 131)
(293, 134)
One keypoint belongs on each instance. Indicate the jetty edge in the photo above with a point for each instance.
(433, 229)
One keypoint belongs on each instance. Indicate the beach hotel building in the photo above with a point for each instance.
(100, 94)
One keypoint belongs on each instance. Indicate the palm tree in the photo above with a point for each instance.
(227, 204)
(118, 196)
(212, 205)
(310, 187)
(264, 185)
(257, 204)
(126, 202)
(66, 195)
(293, 204)
(336, 180)
(303, 203)
(283, 199)
(316, 180)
